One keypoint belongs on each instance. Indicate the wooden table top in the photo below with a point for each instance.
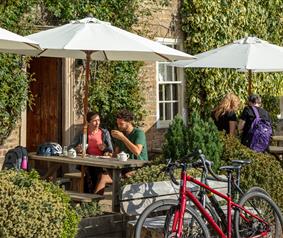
(276, 149)
(277, 138)
(94, 161)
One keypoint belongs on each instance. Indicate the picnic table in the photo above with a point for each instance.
(276, 150)
(113, 164)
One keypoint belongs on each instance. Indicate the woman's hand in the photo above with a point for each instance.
(102, 147)
(79, 149)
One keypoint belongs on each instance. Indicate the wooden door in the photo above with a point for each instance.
(44, 119)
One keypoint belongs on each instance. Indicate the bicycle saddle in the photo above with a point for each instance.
(230, 168)
(243, 162)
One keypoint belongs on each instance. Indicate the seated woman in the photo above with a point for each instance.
(99, 143)
(224, 115)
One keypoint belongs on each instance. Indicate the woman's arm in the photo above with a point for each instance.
(233, 128)
(241, 126)
(107, 141)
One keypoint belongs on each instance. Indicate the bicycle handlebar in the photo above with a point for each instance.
(201, 163)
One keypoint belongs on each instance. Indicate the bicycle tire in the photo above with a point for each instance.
(193, 226)
(167, 205)
(264, 207)
(257, 189)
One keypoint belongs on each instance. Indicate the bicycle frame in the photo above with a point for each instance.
(185, 194)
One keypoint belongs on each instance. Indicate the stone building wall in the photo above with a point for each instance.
(163, 23)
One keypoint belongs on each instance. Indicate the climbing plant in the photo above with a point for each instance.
(107, 78)
(208, 24)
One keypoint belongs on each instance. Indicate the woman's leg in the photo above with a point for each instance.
(104, 179)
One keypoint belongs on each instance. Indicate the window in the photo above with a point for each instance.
(170, 90)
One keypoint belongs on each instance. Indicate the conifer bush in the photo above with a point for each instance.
(199, 134)
(175, 146)
(203, 134)
(30, 207)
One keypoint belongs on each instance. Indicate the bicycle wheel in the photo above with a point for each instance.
(153, 219)
(193, 224)
(257, 189)
(262, 206)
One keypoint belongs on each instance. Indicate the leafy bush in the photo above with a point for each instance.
(205, 136)
(116, 86)
(175, 145)
(265, 170)
(88, 209)
(30, 207)
(13, 93)
(209, 24)
(154, 173)
(272, 105)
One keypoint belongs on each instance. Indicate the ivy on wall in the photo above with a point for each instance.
(208, 24)
(110, 78)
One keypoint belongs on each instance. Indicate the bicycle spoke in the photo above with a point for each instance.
(265, 221)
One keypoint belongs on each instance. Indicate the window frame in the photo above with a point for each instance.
(181, 86)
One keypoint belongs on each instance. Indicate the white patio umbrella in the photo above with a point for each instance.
(92, 39)
(249, 54)
(13, 43)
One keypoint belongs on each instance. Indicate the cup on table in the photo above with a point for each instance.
(123, 156)
(72, 153)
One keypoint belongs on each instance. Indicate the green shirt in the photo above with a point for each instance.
(137, 136)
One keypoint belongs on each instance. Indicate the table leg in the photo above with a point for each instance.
(116, 190)
(81, 187)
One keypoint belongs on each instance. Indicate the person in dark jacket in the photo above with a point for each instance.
(99, 143)
(247, 117)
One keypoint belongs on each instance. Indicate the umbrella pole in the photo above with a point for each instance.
(249, 82)
(85, 101)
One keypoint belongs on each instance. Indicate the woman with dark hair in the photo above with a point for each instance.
(247, 117)
(224, 115)
(99, 143)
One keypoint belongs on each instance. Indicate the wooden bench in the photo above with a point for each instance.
(136, 197)
(84, 197)
(75, 179)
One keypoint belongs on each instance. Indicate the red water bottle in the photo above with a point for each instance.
(25, 163)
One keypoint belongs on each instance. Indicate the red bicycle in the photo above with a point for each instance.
(255, 215)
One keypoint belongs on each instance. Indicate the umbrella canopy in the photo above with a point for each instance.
(92, 39)
(249, 54)
(103, 41)
(14, 43)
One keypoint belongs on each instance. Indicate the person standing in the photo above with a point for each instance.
(224, 115)
(99, 143)
(248, 116)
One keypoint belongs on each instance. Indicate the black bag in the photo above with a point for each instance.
(49, 149)
(14, 158)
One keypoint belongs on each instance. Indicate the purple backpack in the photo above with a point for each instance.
(260, 133)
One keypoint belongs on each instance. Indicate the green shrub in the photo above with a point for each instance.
(155, 173)
(265, 170)
(13, 93)
(88, 209)
(199, 134)
(30, 207)
(205, 136)
(175, 145)
(272, 105)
